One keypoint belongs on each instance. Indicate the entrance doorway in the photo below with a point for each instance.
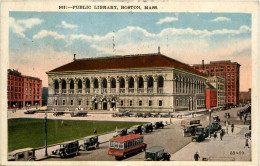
(104, 105)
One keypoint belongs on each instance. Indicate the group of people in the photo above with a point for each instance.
(223, 131)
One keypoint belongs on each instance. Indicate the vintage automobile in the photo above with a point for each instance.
(148, 127)
(157, 115)
(156, 153)
(168, 115)
(139, 114)
(80, 113)
(200, 134)
(158, 125)
(117, 114)
(129, 114)
(27, 154)
(58, 113)
(216, 118)
(67, 149)
(122, 147)
(121, 132)
(90, 142)
(137, 129)
(227, 115)
(30, 112)
(215, 126)
(148, 115)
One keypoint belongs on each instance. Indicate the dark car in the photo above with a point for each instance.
(200, 134)
(117, 114)
(157, 115)
(216, 119)
(139, 114)
(137, 129)
(215, 126)
(129, 114)
(58, 113)
(67, 149)
(90, 142)
(80, 113)
(27, 154)
(148, 115)
(121, 132)
(148, 128)
(158, 125)
(168, 115)
(30, 112)
(156, 153)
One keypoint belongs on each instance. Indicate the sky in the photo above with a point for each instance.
(42, 41)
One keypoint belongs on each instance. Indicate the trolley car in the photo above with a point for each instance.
(123, 146)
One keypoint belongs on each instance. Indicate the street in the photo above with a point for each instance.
(171, 138)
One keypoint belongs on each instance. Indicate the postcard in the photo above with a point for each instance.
(129, 83)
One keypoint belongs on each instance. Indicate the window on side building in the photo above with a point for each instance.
(130, 103)
(140, 102)
(160, 103)
(63, 102)
(150, 102)
(71, 102)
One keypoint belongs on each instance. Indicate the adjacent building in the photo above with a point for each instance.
(245, 97)
(146, 82)
(23, 91)
(211, 96)
(219, 84)
(230, 72)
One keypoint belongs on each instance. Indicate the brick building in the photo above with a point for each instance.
(228, 70)
(211, 96)
(245, 97)
(146, 82)
(219, 84)
(23, 90)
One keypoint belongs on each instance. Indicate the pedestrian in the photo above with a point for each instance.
(232, 127)
(246, 144)
(227, 129)
(221, 135)
(95, 131)
(196, 156)
(215, 135)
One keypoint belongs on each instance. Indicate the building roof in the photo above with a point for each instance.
(219, 63)
(126, 138)
(142, 61)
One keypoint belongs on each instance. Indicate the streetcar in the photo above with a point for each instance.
(123, 146)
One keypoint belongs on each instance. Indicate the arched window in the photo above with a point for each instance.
(131, 82)
(95, 83)
(150, 82)
(79, 84)
(113, 83)
(71, 84)
(122, 83)
(160, 82)
(56, 84)
(63, 84)
(104, 83)
(140, 82)
(87, 83)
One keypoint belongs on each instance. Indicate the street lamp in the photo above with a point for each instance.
(209, 122)
(45, 133)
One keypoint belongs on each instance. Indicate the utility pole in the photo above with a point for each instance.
(209, 122)
(45, 133)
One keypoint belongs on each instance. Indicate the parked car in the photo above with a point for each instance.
(216, 118)
(215, 126)
(157, 115)
(139, 114)
(148, 115)
(121, 132)
(27, 154)
(117, 114)
(67, 149)
(168, 115)
(129, 114)
(30, 112)
(90, 142)
(148, 127)
(200, 134)
(158, 125)
(58, 113)
(137, 129)
(80, 113)
(156, 153)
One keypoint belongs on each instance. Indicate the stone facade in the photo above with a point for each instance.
(151, 89)
(219, 84)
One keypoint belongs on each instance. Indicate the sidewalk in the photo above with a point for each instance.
(230, 148)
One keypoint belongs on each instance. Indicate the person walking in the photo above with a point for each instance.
(196, 156)
(232, 127)
(221, 134)
(215, 135)
(246, 144)
(227, 129)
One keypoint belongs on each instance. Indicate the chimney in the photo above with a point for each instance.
(203, 65)
(74, 57)
(159, 50)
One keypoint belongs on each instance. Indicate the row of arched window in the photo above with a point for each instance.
(103, 83)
